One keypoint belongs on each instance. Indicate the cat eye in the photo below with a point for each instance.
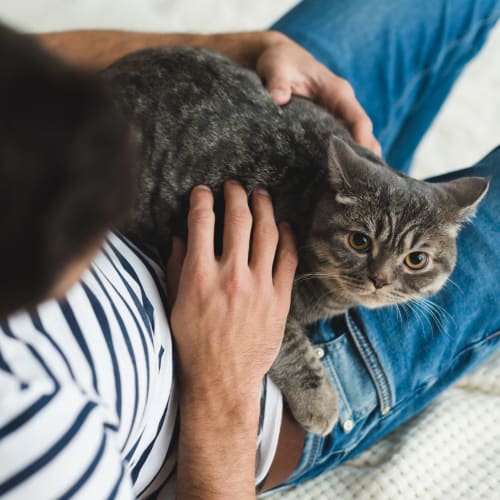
(416, 260)
(359, 242)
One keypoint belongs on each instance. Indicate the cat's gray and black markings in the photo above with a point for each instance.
(201, 119)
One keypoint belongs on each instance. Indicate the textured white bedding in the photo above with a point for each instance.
(452, 450)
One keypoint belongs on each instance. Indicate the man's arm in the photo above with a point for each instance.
(285, 67)
(99, 48)
(228, 321)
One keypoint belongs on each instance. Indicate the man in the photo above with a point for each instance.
(219, 379)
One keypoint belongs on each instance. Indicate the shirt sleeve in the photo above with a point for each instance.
(271, 412)
(54, 443)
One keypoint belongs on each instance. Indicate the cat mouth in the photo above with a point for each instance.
(370, 293)
(373, 299)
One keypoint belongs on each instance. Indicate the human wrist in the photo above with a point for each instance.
(217, 446)
(223, 404)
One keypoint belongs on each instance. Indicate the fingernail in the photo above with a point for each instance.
(202, 186)
(263, 192)
(234, 182)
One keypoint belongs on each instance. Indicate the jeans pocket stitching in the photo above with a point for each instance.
(347, 409)
(373, 365)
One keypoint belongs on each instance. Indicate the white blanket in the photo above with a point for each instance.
(452, 450)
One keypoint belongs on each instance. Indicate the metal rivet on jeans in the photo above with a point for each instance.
(320, 352)
(386, 410)
(348, 425)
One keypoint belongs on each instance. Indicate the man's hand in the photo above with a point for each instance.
(228, 321)
(229, 312)
(287, 69)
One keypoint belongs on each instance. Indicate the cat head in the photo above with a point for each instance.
(379, 237)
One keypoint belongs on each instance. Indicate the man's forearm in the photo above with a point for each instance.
(99, 48)
(217, 448)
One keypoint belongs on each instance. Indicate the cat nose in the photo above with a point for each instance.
(379, 280)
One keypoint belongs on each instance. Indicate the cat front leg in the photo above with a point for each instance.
(301, 378)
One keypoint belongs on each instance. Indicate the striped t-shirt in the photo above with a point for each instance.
(88, 397)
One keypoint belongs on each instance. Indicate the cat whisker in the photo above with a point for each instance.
(399, 308)
(323, 297)
(317, 275)
(404, 309)
(433, 313)
(451, 282)
(398, 313)
(418, 315)
(441, 314)
(398, 295)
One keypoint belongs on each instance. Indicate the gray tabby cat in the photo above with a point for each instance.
(366, 234)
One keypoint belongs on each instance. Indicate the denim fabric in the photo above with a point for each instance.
(402, 58)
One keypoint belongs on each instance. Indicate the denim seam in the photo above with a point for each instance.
(489, 337)
(340, 390)
(372, 363)
(429, 69)
(425, 385)
(400, 405)
(431, 380)
(360, 412)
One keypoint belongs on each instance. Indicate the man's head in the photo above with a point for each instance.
(67, 169)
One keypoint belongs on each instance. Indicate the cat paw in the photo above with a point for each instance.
(316, 410)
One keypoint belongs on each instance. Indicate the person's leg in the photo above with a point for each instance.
(401, 56)
(388, 364)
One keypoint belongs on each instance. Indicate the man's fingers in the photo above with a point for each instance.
(280, 90)
(174, 268)
(201, 223)
(375, 147)
(237, 223)
(361, 129)
(280, 95)
(265, 233)
(276, 78)
(286, 262)
(339, 98)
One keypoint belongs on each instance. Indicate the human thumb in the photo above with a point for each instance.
(280, 93)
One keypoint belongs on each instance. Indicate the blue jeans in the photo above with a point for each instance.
(402, 58)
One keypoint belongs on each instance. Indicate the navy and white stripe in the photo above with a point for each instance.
(88, 400)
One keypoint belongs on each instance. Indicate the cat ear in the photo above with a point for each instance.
(465, 194)
(344, 165)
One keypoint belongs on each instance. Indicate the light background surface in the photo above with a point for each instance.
(452, 450)
(465, 130)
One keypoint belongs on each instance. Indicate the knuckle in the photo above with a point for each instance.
(199, 274)
(235, 285)
(267, 231)
(345, 88)
(201, 216)
(363, 118)
(369, 124)
(288, 259)
(239, 216)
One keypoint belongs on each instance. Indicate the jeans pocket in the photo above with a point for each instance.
(355, 388)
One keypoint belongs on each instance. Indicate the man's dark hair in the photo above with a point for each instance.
(67, 168)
